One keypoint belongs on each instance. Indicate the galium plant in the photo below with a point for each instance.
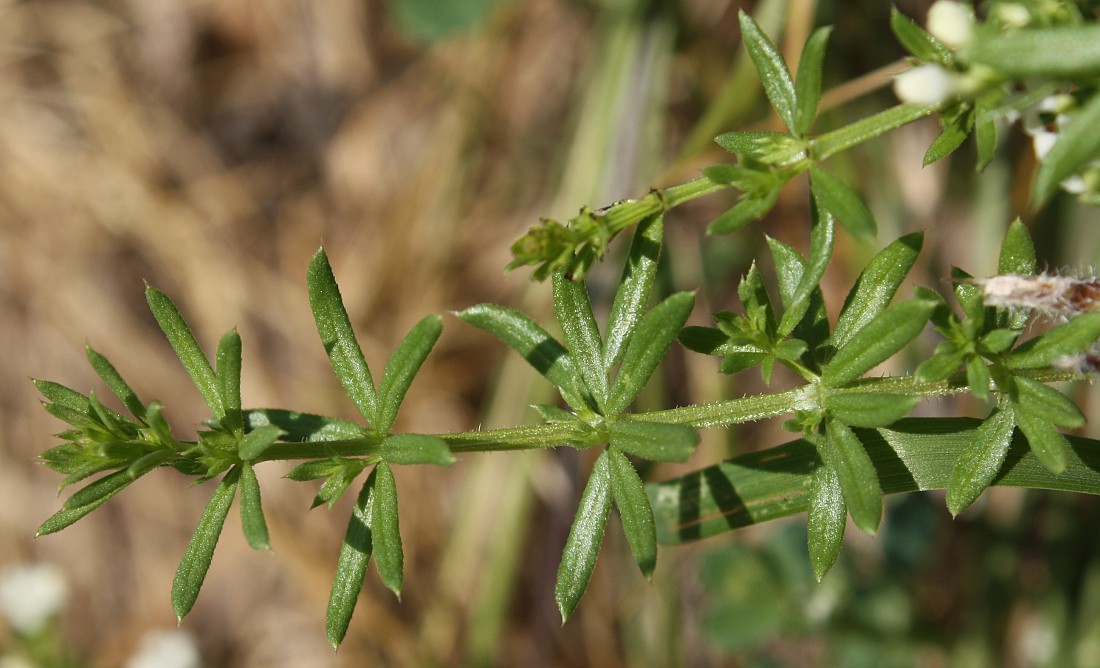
(1036, 61)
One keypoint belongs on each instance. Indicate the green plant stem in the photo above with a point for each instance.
(834, 142)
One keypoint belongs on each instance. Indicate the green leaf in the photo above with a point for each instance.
(252, 512)
(403, 366)
(980, 461)
(1065, 340)
(843, 203)
(654, 441)
(1065, 52)
(941, 365)
(985, 134)
(1047, 403)
(148, 462)
(386, 530)
(1049, 446)
(1017, 257)
(749, 208)
(877, 341)
(304, 427)
(339, 340)
(337, 482)
(705, 340)
(64, 397)
(187, 348)
(869, 409)
(583, 545)
(634, 511)
(826, 520)
(807, 84)
(956, 129)
(767, 147)
(105, 370)
(228, 374)
(796, 302)
(415, 449)
(351, 567)
(876, 286)
(843, 452)
(254, 443)
(655, 333)
(917, 41)
(635, 286)
(1077, 144)
(771, 67)
(754, 297)
(104, 489)
(200, 549)
(582, 335)
(532, 342)
(978, 377)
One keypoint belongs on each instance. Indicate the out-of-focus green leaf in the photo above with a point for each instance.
(430, 21)
(227, 371)
(807, 84)
(338, 337)
(867, 409)
(917, 41)
(749, 208)
(351, 566)
(252, 512)
(386, 530)
(1067, 52)
(656, 331)
(985, 134)
(843, 452)
(877, 341)
(582, 335)
(635, 286)
(956, 129)
(416, 449)
(583, 545)
(843, 203)
(654, 441)
(1064, 340)
(105, 370)
(980, 461)
(1077, 144)
(876, 286)
(825, 521)
(771, 67)
(634, 511)
(403, 366)
(200, 549)
(187, 348)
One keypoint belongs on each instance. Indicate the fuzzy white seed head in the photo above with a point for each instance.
(1046, 293)
(951, 23)
(925, 84)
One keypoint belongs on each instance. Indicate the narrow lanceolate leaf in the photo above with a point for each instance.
(635, 287)
(1065, 340)
(187, 348)
(797, 301)
(1048, 403)
(63, 396)
(403, 366)
(807, 83)
(531, 341)
(386, 530)
(839, 199)
(304, 427)
(749, 208)
(1048, 446)
(985, 134)
(771, 67)
(582, 335)
(634, 511)
(252, 512)
(338, 337)
(351, 567)
(200, 550)
(148, 462)
(917, 41)
(227, 371)
(254, 443)
(980, 462)
(105, 488)
(1069, 52)
(826, 520)
(654, 441)
(876, 286)
(869, 409)
(415, 449)
(105, 370)
(877, 341)
(846, 456)
(1017, 257)
(655, 333)
(1077, 144)
(583, 545)
(955, 132)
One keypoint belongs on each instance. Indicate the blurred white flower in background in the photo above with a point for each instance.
(925, 84)
(951, 23)
(166, 649)
(30, 595)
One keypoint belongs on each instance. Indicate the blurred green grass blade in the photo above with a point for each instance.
(386, 530)
(844, 203)
(654, 441)
(914, 454)
(869, 409)
(1078, 143)
(797, 300)
(303, 427)
(807, 83)
(635, 286)
(228, 373)
(351, 566)
(634, 511)
(200, 549)
(917, 41)
(256, 442)
(253, 523)
(338, 337)
(876, 286)
(843, 452)
(1048, 446)
(1067, 52)
(1065, 340)
(583, 544)
(772, 69)
(877, 341)
(187, 348)
(582, 336)
(825, 520)
(403, 366)
(416, 449)
(105, 488)
(110, 375)
(980, 461)
(655, 333)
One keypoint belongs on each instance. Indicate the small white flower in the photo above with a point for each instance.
(166, 649)
(951, 23)
(30, 595)
(925, 84)
(1011, 14)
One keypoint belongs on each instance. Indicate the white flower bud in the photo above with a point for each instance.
(925, 84)
(951, 22)
(1012, 14)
